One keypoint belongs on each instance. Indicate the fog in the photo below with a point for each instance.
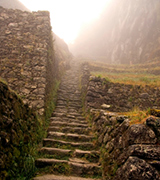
(126, 32)
(68, 16)
(112, 31)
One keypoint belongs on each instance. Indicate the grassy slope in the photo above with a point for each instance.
(139, 74)
(135, 75)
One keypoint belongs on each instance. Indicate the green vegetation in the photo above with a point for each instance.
(56, 156)
(138, 74)
(61, 168)
(130, 78)
(51, 100)
(137, 116)
(29, 129)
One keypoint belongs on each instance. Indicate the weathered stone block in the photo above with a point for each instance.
(136, 169)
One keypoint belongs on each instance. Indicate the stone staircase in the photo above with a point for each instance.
(68, 149)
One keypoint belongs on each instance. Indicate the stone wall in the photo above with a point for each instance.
(30, 65)
(19, 130)
(25, 50)
(128, 151)
(117, 97)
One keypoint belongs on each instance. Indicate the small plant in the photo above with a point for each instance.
(107, 79)
(62, 168)
(130, 99)
(29, 167)
(137, 116)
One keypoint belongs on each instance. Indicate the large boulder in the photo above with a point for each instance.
(136, 169)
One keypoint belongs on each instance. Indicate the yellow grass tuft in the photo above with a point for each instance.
(137, 116)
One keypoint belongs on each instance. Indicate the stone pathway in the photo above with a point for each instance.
(68, 148)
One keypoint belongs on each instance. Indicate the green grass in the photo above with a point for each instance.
(50, 103)
(137, 74)
(130, 78)
(145, 67)
(60, 168)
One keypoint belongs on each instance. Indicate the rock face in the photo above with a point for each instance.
(127, 32)
(133, 169)
(18, 132)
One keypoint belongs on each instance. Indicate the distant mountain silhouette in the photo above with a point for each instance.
(128, 31)
(13, 4)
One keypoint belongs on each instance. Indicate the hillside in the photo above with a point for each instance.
(13, 4)
(127, 32)
(62, 52)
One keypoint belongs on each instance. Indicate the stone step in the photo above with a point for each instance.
(76, 114)
(91, 156)
(64, 111)
(70, 136)
(66, 93)
(76, 167)
(68, 148)
(47, 142)
(56, 177)
(61, 102)
(68, 119)
(62, 124)
(75, 106)
(74, 110)
(60, 107)
(43, 162)
(88, 156)
(68, 129)
(58, 114)
(85, 169)
(56, 151)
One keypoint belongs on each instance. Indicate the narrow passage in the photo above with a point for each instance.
(68, 152)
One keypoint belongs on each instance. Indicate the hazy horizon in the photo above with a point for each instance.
(68, 17)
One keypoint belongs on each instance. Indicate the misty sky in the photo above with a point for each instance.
(68, 16)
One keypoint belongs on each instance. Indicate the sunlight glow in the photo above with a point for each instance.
(67, 16)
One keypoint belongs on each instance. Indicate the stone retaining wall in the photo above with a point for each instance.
(117, 97)
(127, 151)
(24, 53)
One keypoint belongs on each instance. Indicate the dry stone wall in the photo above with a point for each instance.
(25, 48)
(117, 97)
(19, 130)
(128, 151)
